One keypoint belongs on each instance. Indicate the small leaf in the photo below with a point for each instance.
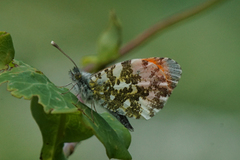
(6, 49)
(108, 44)
(89, 60)
(110, 41)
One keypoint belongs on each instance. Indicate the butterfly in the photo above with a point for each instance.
(133, 88)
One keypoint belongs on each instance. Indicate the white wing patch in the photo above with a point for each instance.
(138, 87)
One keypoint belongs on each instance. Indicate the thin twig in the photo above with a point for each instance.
(164, 24)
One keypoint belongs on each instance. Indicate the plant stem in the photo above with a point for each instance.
(164, 24)
(150, 32)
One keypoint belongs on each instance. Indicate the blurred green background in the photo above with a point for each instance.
(201, 120)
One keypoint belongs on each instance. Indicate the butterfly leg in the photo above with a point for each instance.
(83, 112)
(64, 85)
(69, 89)
(93, 106)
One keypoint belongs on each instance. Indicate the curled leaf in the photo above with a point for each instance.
(6, 49)
(108, 44)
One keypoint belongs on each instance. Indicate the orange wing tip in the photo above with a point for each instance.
(170, 68)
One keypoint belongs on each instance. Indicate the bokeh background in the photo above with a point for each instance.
(201, 120)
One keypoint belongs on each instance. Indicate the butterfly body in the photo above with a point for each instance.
(81, 80)
(134, 88)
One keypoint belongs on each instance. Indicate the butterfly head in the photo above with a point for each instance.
(76, 74)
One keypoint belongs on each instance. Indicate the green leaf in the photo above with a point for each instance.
(108, 44)
(6, 49)
(114, 136)
(57, 129)
(61, 118)
(121, 131)
(26, 81)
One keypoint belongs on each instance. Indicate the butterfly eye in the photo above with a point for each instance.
(78, 76)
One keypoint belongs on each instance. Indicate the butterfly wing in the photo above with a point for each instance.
(138, 87)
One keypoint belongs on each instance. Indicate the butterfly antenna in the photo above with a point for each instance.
(56, 46)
